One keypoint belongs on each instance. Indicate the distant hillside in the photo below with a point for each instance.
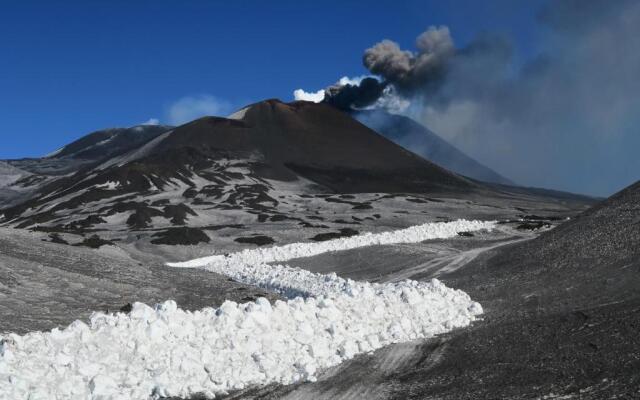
(22, 178)
(109, 142)
(417, 138)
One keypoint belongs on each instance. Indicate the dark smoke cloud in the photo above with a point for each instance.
(347, 97)
(403, 71)
(417, 74)
(568, 119)
(407, 70)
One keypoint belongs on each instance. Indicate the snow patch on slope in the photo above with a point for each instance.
(414, 234)
(53, 153)
(166, 351)
(239, 115)
(109, 185)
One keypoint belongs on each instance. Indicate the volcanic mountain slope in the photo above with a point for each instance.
(333, 150)
(108, 142)
(599, 248)
(563, 312)
(229, 161)
(19, 179)
(414, 136)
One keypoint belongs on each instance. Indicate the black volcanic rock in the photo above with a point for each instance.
(344, 232)
(258, 240)
(417, 138)
(178, 213)
(94, 242)
(182, 235)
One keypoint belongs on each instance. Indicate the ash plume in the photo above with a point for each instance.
(354, 96)
(556, 120)
(407, 70)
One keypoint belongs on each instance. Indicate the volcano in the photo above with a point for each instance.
(294, 142)
(262, 163)
(329, 147)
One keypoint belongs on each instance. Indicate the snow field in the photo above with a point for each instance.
(166, 351)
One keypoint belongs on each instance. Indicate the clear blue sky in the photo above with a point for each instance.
(68, 68)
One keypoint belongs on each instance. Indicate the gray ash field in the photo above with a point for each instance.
(90, 228)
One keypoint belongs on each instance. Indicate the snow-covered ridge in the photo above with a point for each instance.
(414, 234)
(239, 115)
(166, 351)
(53, 153)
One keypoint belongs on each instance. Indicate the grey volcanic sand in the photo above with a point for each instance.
(44, 285)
